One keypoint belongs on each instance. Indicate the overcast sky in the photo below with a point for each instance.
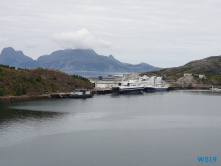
(163, 33)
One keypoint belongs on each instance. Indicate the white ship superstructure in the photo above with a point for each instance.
(128, 85)
(153, 83)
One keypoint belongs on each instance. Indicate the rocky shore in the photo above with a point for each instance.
(23, 98)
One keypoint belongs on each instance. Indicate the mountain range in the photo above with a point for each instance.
(71, 60)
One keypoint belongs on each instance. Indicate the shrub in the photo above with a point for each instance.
(54, 78)
(2, 71)
(2, 91)
(24, 78)
(32, 80)
(80, 77)
(24, 90)
(38, 79)
(18, 91)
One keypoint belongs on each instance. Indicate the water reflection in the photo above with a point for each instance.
(52, 105)
(135, 95)
(203, 92)
(127, 95)
(19, 124)
(21, 121)
(8, 114)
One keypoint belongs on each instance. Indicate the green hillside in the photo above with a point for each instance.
(210, 67)
(37, 81)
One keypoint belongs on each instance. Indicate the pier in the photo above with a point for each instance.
(101, 91)
(60, 95)
(108, 91)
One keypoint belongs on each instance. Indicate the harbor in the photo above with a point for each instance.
(132, 83)
(128, 83)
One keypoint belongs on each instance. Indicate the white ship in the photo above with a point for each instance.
(128, 86)
(153, 83)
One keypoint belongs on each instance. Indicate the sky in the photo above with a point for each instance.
(162, 33)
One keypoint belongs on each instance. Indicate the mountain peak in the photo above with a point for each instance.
(111, 57)
(11, 57)
(7, 50)
(89, 51)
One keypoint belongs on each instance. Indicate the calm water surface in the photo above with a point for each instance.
(164, 128)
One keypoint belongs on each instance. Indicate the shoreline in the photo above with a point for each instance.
(23, 98)
(65, 95)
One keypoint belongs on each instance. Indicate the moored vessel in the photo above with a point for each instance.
(152, 84)
(128, 86)
(215, 89)
(81, 93)
(156, 88)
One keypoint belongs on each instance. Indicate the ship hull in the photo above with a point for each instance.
(123, 90)
(80, 96)
(154, 89)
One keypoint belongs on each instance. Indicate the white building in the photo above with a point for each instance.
(104, 82)
(187, 74)
(202, 76)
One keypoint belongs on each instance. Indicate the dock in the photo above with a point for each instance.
(60, 95)
(108, 91)
(101, 91)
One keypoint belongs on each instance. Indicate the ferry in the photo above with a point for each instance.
(80, 93)
(156, 88)
(130, 86)
(152, 84)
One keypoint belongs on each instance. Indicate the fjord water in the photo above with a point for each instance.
(163, 128)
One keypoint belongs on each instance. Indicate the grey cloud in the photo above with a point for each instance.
(79, 39)
(31, 44)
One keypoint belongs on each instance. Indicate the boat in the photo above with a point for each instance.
(80, 93)
(152, 84)
(215, 89)
(156, 88)
(128, 86)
